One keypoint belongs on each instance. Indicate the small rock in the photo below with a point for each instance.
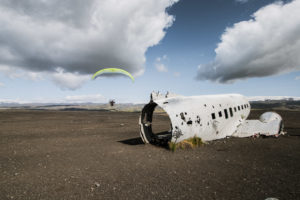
(97, 184)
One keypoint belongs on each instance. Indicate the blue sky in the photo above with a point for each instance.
(166, 42)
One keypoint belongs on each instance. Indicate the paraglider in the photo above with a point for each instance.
(112, 70)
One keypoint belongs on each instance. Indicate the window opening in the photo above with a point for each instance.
(213, 116)
(226, 113)
(231, 113)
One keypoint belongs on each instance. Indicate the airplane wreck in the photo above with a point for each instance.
(208, 117)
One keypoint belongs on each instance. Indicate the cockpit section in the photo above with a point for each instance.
(151, 133)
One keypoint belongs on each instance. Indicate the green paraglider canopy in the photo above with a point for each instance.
(112, 70)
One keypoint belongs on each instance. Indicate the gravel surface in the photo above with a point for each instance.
(98, 155)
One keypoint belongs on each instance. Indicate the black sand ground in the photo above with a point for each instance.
(98, 155)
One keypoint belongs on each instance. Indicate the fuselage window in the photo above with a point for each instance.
(226, 114)
(220, 114)
(242, 107)
(234, 109)
(239, 108)
(230, 111)
(213, 116)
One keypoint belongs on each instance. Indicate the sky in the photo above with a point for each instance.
(50, 49)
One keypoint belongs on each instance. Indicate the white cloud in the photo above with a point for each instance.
(2, 84)
(10, 72)
(94, 98)
(85, 98)
(67, 80)
(266, 45)
(34, 76)
(12, 101)
(64, 80)
(14, 73)
(297, 78)
(161, 67)
(80, 36)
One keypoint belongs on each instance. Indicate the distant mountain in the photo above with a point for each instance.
(130, 107)
(282, 102)
(278, 102)
(273, 98)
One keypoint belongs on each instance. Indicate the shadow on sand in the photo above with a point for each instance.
(139, 141)
(133, 141)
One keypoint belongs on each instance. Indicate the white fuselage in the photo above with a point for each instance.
(208, 117)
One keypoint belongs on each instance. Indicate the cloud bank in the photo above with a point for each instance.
(67, 80)
(87, 98)
(266, 45)
(80, 37)
(92, 98)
